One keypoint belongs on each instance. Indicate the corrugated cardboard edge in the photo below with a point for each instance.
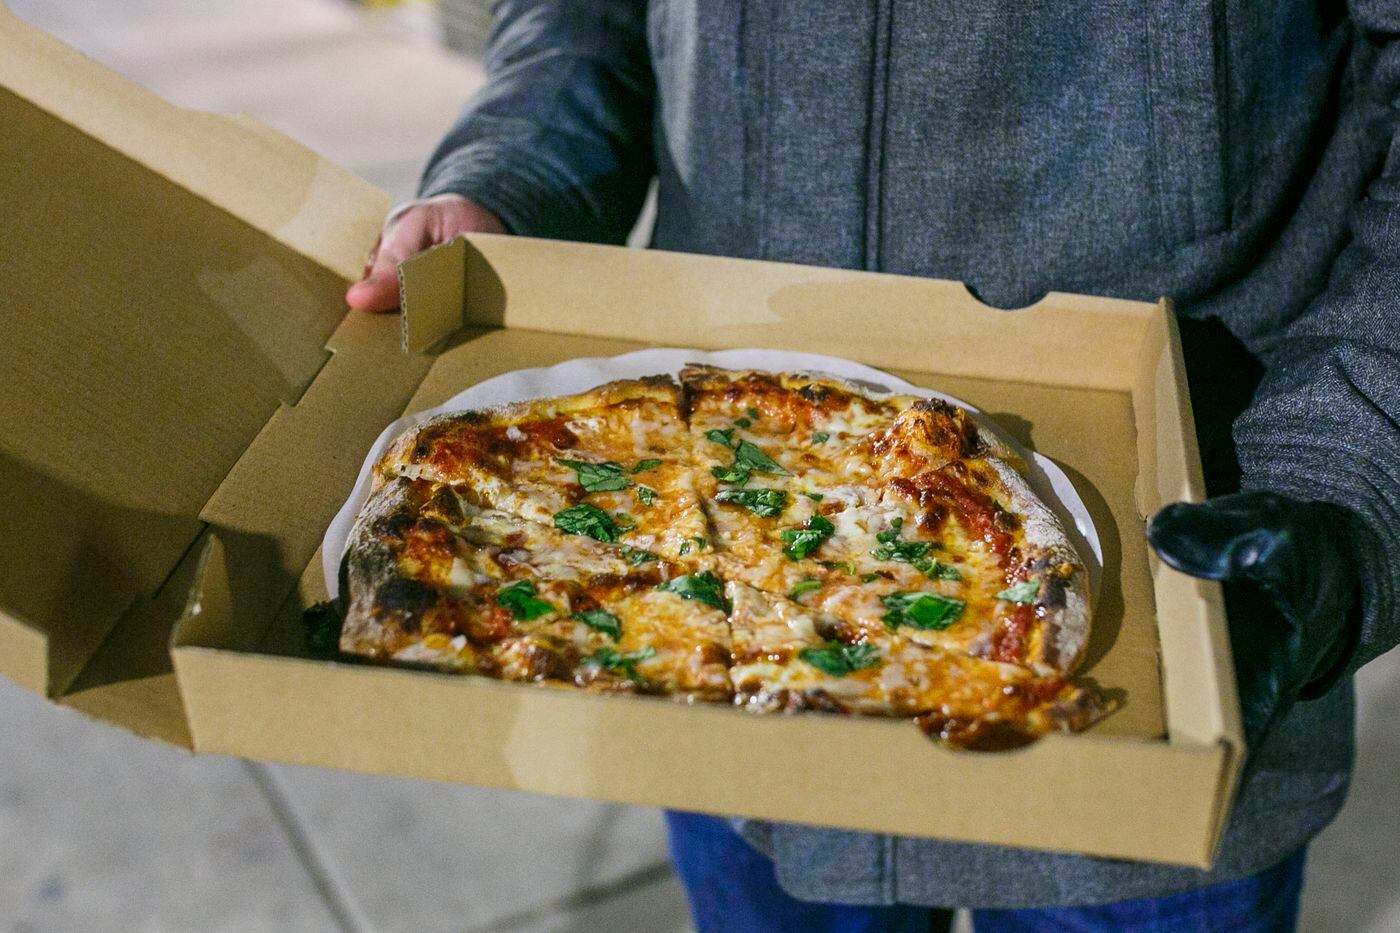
(1196, 660)
(432, 295)
(318, 209)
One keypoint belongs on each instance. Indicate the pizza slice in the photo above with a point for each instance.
(767, 448)
(611, 464)
(789, 658)
(1024, 589)
(431, 579)
(922, 523)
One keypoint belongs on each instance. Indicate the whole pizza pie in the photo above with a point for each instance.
(775, 541)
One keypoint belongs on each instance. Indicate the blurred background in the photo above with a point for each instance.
(105, 832)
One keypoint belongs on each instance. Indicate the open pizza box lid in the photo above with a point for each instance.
(187, 405)
(172, 280)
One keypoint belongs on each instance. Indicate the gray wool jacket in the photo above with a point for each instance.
(1236, 155)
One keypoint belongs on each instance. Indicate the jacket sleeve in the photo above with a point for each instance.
(558, 142)
(1325, 421)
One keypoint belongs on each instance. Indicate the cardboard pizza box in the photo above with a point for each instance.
(187, 403)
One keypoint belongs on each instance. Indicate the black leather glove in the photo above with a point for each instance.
(1295, 644)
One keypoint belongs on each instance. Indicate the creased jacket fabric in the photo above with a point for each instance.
(1238, 156)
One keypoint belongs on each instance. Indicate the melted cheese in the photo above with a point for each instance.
(685, 648)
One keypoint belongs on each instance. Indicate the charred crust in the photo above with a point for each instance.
(979, 735)
(1052, 593)
(405, 596)
(544, 662)
(395, 525)
(1048, 568)
(950, 428)
(752, 696)
(823, 702)
(658, 382)
(445, 507)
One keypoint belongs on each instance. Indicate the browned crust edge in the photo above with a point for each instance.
(1063, 599)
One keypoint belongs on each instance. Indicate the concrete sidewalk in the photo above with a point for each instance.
(104, 832)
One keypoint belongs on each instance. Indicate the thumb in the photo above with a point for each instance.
(402, 237)
(1220, 539)
(378, 291)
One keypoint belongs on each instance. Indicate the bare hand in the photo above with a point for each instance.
(423, 224)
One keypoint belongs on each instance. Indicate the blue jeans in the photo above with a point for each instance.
(732, 888)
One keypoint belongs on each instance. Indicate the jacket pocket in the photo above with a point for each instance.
(1186, 87)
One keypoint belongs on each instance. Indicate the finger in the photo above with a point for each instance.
(1217, 540)
(379, 289)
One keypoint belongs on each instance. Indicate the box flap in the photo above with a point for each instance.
(713, 302)
(171, 279)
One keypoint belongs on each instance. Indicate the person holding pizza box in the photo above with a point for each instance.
(1239, 157)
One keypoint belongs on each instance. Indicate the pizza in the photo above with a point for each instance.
(780, 542)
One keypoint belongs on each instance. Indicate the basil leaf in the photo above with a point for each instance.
(869, 577)
(820, 437)
(598, 477)
(646, 495)
(838, 660)
(911, 552)
(585, 519)
(703, 586)
(927, 611)
(637, 556)
(906, 552)
(752, 413)
(520, 599)
(891, 533)
(801, 542)
(322, 624)
(700, 544)
(725, 437)
(602, 620)
(803, 586)
(642, 466)
(765, 503)
(752, 458)
(742, 423)
(734, 473)
(626, 664)
(814, 496)
(937, 570)
(1023, 592)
